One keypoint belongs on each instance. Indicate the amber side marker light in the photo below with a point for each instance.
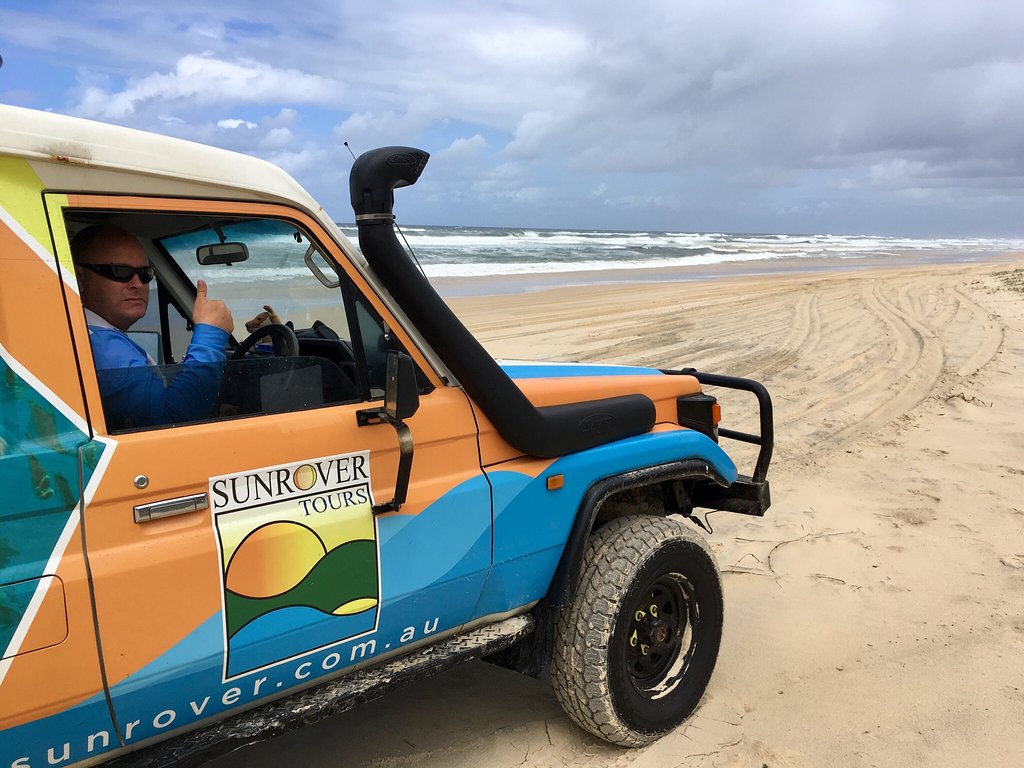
(555, 482)
(700, 412)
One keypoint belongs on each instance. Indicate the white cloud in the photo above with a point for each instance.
(366, 130)
(534, 133)
(299, 162)
(203, 80)
(276, 138)
(234, 122)
(462, 151)
(897, 171)
(511, 170)
(211, 30)
(286, 118)
(495, 190)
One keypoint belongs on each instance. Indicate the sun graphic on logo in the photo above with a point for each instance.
(304, 477)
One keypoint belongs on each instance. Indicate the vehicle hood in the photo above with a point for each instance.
(557, 383)
(524, 369)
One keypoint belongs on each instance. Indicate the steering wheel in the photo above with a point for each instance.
(286, 343)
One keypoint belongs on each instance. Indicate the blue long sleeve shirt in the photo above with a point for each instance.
(134, 392)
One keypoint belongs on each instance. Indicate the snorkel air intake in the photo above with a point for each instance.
(545, 432)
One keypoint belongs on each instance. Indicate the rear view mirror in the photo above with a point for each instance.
(221, 253)
(327, 282)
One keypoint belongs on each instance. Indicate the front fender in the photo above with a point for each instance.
(540, 528)
(562, 586)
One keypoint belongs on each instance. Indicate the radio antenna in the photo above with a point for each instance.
(349, 150)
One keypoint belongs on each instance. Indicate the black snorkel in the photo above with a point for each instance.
(544, 432)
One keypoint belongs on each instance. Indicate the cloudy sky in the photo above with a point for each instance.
(813, 116)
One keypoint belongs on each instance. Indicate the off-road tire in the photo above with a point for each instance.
(610, 681)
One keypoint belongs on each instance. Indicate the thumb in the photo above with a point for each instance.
(201, 290)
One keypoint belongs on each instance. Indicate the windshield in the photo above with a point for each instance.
(275, 272)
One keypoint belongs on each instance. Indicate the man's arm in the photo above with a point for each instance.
(134, 395)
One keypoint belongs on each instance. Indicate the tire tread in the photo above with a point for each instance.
(613, 556)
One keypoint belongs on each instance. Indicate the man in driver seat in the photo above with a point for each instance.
(113, 278)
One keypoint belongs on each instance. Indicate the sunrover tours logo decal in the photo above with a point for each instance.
(298, 556)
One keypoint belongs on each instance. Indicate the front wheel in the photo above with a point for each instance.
(635, 650)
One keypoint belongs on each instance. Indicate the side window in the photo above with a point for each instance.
(299, 336)
(373, 341)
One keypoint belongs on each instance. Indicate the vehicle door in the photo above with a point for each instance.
(236, 555)
(52, 706)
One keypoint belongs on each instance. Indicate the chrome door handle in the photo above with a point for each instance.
(170, 507)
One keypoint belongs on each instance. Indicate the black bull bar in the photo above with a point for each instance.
(749, 494)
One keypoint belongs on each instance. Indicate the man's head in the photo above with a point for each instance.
(97, 248)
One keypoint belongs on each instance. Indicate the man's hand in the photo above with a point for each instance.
(213, 312)
(268, 315)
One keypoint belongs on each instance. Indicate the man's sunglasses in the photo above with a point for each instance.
(121, 273)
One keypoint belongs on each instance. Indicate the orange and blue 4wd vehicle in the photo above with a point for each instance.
(211, 533)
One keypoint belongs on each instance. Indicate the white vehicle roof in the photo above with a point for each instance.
(70, 153)
(75, 155)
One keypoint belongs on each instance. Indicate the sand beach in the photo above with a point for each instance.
(875, 615)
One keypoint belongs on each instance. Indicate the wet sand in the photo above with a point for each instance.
(875, 615)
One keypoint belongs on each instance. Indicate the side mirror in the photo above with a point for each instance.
(221, 253)
(401, 400)
(401, 397)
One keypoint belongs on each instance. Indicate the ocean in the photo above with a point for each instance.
(481, 252)
(477, 261)
(468, 261)
(478, 252)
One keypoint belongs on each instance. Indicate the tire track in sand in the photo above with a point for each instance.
(847, 375)
(908, 378)
(991, 341)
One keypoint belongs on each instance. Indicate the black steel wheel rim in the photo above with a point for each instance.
(659, 635)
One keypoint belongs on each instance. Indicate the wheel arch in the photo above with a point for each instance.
(563, 583)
